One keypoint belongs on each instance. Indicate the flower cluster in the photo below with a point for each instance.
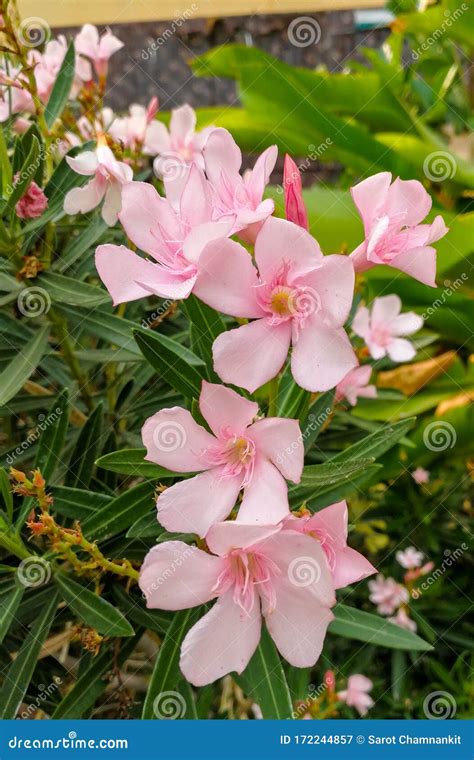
(391, 597)
(204, 227)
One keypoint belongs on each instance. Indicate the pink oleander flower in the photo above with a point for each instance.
(355, 385)
(382, 326)
(32, 204)
(234, 194)
(357, 693)
(391, 214)
(252, 571)
(109, 176)
(98, 49)
(403, 620)
(139, 129)
(420, 475)
(409, 558)
(238, 454)
(295, 210)
(180, 146)
(329, 527)
(387, 594)
(174, 239)
(297, 296)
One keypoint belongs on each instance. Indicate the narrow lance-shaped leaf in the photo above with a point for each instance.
(264, 680)
(363, 626)
(23, 365)
(9, 607)
(81, 463)
(376, 444)
(62, 87)
(172, 362)
(50, 447)
(92, 609)
(120, 512)
(132, 462)
(22, 668)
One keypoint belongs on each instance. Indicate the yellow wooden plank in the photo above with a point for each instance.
(77, 12)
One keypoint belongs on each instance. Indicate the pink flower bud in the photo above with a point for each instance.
(32, 203)
(295, 209)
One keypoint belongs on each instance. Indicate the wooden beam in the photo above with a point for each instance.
(77, 12)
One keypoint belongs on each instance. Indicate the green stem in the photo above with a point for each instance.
(15, 546)
(67, 351)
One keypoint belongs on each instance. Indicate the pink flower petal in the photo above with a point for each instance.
(174, 440)
(333, 282)
(282, 241)
(280, 441)
(182, 124)
(225, 536)
(228, 279)
(265, 499)
(369, 197)
(142, 210)
(176, 576)
(401, 350)
(251, 355)
(223, 641)
(321, 356)
(85, 163)
(385, 309)
(408, 197)
(260, 174)
(419, 263)
(224, 408)
(124, 274)
(80, 200)
(221, 152)
(192, 506)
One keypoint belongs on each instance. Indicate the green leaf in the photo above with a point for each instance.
(172, 362)
(23, 365)
(21, 670)
(78, 503)
(376, 444)
(10, 605)
(81, 463)
(95, 611)
(50, 447)
(79, 245)
(26, 174)
(132, 462)
(114, 330)
(264, 680)
(373, 629)
(332, 493)
(6, 493)
(69, 291)
(146, 526)
(166, 673)
(62, 87)
(91, 683)
(134, 609)
(318, 413)
(315, 477)
(120, 512)
(206, 325)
